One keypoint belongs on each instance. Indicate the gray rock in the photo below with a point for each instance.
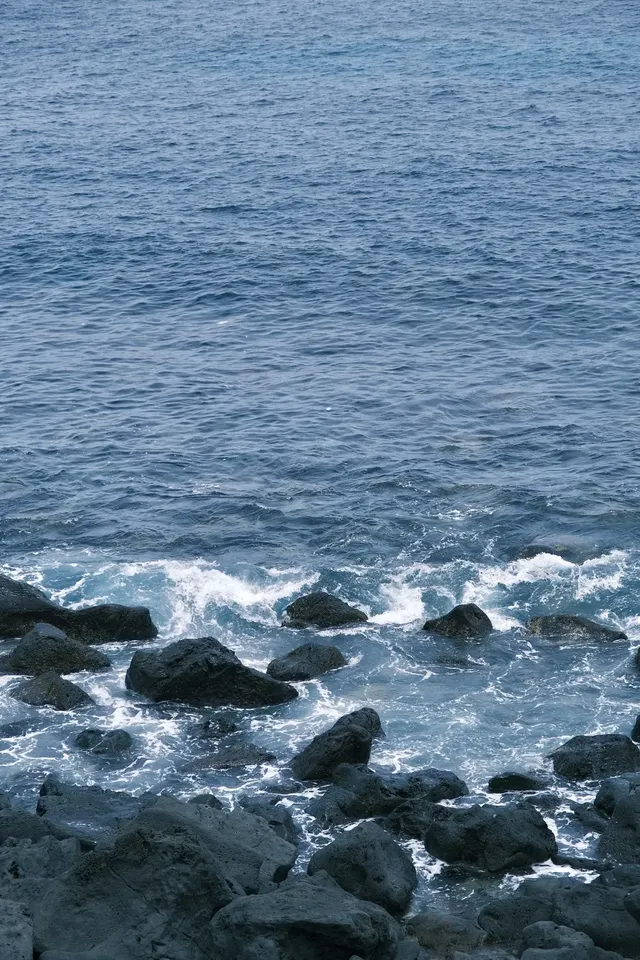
(466, 621)
(365, 717)
(23, 606)
(568, 626)
(615, 789)
(342, 743)
(635, 733)
(213, 728)
(231, 756)
(445, 933)
(306, 919)
(203, 673)
(16, 931)
(305, 662)
(89, 811)
(514, 781)
(46, 648)
(104, 743)
(413, 818)
(596, 757)
(276, 814)
(550, 941)
(18, 824)
(208, 800)
(52, 690)
(27, 868)
(368, 863)
(321, 610)
(620, 839)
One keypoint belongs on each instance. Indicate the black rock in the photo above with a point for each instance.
(632, 904)
(207, 800)
(305, 662)
(22, 606)
(321, 610)
(465, 621)
(613, 790)
(104, 743)
(413, 818)
(493, 838)
(593, 758)
(635, 733)
(620, 839)
(568, 626)
(368, 863)
(573, 548)
(365, 717)
(307, 918)
(203, 673)
(276, 814)
(590, 817)
(343, 743)
(514, 781)
(445, 933)
(51, 690)
(231, 756)
(214, 728)
(90, 811)
(46, 648)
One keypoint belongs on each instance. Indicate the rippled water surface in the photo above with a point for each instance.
(331, 295)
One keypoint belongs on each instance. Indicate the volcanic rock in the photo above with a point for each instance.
(51, 690)
(596, 757)
(466, 621)
(321, 610)
(568, 626)
(445, 933)
(342, 743)
(46, 648)
(104, 743)
(305, 662)
(89, 811)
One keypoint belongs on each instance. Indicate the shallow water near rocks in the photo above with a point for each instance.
(341, 298)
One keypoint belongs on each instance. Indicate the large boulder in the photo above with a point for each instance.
(16, 931)
(51, 690)
(321, 610)
(620, 839)
(46, 648)
(22, 606)
(596, 757)
(445, 933)
(568, 626)
(150, 894)
(305, 919)
(306, 662)
(368, 863)
(87, 811)
(597, 909)
(466, 622)
(104, 743)
(203, 673)
(342, 743)
(493, 838)
(413, 818)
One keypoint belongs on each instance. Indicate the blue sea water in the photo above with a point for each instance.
(332, 295)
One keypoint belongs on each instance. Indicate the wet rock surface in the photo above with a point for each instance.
(568, 626)
(596, 757)
(305, 662)
(466, 622)
(51, 690)
(46, 648)
(321, 610)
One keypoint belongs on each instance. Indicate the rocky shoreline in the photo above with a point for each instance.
(106, 875)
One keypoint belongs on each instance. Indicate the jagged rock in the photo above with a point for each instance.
(16, 931)
(22, 606)
(231, 756)
(46, 648)
(51, 690)
(275, 813)
(568, 626)
(342, 743)
(570, 547)
(368, 863)
(357, 792)
(512, 781)
(493, 838)
(445, 933)
(321, 610)
(203, 673)
(89, 811)
(208, 800)
(596, 757)
(104, 743)
(309, 918)
(305, 662)
(620, 839)
(466, 621)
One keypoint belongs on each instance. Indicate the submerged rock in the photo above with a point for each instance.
(51, 690)
(493, 838)
(368, 863)
(466, 621)
(214, 728)
(445, 933)
(596, 757)
(309, 918)
(305, 662)
(104, 743)
(203, 673)
(46, 648)
(345, 742)
(569, 626)
(23, 606)
(230, 756)
(321, 610)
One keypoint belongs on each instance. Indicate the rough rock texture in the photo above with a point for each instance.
(203, 673)
(274, 813)
(620, 839)
(546, 940)
(635, 733)
(16, 932)
(368, 863)
(365, 717)
(89, 811)
(207, 800)
(104, 743)
(510, 837)
(342, 743)
(571, 627)
(51, 690)
(413, 818)
(445, 933)
(22, 606)
(597, 909)
(26, 867)
(357, 792)
(615, 789)
(593, 758)
(46, 648)
(465, 621)
(306, 919)
(515, 781)
(321, 610)
(305, 662)
(18, 824)
(213, 728)
(231, 756)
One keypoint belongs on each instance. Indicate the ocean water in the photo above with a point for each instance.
(330, 295)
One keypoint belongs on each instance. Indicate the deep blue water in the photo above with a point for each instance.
(332, 294)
